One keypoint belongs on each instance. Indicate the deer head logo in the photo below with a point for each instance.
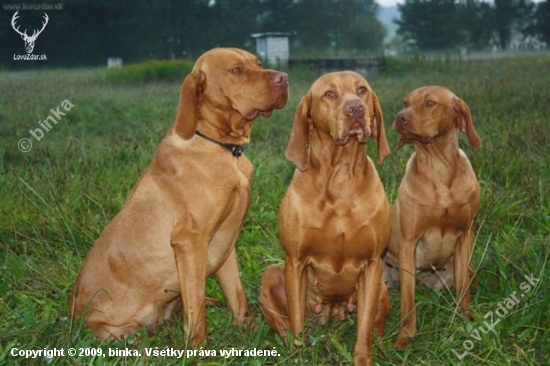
(29, 41)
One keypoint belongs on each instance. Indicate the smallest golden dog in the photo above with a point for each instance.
(432, 217)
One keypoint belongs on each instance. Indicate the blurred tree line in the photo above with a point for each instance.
(87, 32)
(476, 24)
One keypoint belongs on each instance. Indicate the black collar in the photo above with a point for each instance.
(236, 150)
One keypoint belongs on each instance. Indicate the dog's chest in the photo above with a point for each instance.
(245, 168)
(235, 180)
(453, 206)
(339, 225)
(340, 233)
(233, 176)
(450, 214)
(448, 190)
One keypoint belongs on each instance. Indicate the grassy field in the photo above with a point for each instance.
(58, 197)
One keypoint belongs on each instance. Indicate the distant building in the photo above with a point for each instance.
(114, 62)
(272, 47)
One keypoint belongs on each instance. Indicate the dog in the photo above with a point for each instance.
(180, 222)
(437, 201)
(334, 220)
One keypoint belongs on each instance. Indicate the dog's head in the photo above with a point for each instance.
(342, 105)
(228, 86)
(433, 111)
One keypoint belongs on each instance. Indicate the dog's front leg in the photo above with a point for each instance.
(296, 289)
(407, 270)
(233, 290)
(461, 263)
(190, 250)
(368, 295)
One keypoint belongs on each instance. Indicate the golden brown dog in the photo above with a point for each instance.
(437, 201)
(334, 221)
(183, 217)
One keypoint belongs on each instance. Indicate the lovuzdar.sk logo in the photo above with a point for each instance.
(29, 40)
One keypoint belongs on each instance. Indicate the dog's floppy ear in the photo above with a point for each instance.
(187, 115)
(297, 149)
(465, 122)
(378, 131)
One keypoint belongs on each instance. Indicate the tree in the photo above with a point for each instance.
(540, 27)
(510, 16)
(276, 16)
(475, 22)
(430, 24)
(338, 25)
(447, 24)
(360, 28)
(230, 23)
(87, 32)
(504, 15)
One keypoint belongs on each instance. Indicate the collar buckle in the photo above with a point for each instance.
(235, 150)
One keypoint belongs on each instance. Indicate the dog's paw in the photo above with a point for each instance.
(361, 359)
(402, 342)
(247, 321)
(210, 301)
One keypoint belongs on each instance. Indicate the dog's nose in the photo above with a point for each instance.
(280, 78)
(402, 118)
(354, 108)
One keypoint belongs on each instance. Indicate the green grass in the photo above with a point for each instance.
(153, 70)
(58, 197)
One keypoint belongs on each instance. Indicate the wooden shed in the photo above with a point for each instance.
(272, 47)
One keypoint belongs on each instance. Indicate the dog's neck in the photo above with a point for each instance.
(326, 155)
(228, 128)
(440, 155)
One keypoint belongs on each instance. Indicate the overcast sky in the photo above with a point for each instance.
(389, 2)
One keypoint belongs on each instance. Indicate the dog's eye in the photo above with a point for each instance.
(361, 90)
(330, 94)
(237, 71)
(430, 103)
(405, 105)
(260, 65)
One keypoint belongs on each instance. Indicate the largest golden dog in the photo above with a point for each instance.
(183, 217)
